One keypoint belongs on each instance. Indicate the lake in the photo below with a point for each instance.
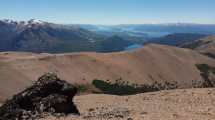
(133, 47)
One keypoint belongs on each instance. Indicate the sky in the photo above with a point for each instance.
(110, 11)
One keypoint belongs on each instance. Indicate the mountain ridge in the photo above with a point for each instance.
(205, 46)
(39, 36)
(152, 64)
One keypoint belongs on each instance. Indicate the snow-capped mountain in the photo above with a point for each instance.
(39, 36)
(31, 21)
(35, 21)
(21, 25)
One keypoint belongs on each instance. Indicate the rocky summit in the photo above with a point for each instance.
(47, 96)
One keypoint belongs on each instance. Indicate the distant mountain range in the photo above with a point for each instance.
(154, 30)
(175, 34)
(39, 36)
(176, 39)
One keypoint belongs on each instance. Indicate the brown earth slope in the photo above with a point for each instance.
(205, 45)
(188, 104)
(144, 66)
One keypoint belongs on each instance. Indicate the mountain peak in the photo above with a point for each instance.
(8, 21)
(35, 21)
(25, 23)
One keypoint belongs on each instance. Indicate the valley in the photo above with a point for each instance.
(40, 36)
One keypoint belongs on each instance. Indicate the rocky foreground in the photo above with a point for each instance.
(188, 104)
(49, 95)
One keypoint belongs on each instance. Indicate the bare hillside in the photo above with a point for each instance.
(205, 46)
(153, 63)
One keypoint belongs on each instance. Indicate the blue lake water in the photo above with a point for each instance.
(133, 47)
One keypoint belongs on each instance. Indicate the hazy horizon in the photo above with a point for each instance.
(110, 12)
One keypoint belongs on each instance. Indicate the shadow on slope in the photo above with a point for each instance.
(208, 74)
(121, 87)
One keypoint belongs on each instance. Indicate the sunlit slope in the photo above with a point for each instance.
(151, 64)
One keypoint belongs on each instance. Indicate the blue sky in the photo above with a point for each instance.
(110, 11)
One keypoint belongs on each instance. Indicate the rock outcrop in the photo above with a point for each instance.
(48, 95)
